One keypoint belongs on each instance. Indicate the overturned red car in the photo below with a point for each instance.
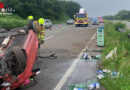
(18, 58)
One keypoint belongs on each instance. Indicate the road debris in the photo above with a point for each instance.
(107, 73)
(113, 52)
(121, 29)
(93, 84)
(90, 85)
(85, 56)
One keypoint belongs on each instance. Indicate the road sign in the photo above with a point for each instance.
(100, 36)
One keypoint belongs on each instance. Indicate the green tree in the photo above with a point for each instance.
(52, 9)
(72, 8)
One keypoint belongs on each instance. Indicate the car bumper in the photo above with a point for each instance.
(81, 23)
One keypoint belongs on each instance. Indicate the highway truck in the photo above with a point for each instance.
(81, 18)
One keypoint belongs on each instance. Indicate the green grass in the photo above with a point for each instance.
(59, 21)
(128, 20)
(121, 63)
(11, 21)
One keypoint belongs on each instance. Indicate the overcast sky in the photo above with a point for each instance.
(103, 7)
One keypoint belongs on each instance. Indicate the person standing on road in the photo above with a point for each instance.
(40, 30)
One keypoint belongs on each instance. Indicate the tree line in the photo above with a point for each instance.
(121, 15)
(52, 9)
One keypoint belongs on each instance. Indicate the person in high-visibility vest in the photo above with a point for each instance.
(30, 21)
(29, 25)
(30, 18)
(40, 30)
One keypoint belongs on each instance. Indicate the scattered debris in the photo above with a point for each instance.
(88, 57)
(90, 85)
(93, 84)
(107, 73)
(121, 29)
(113, 52)
(82, 86)
(114, 74)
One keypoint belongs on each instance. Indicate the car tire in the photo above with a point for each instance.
(20, 59)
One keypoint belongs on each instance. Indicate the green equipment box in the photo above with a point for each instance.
(100, 36)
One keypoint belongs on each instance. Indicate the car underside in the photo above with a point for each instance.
(18, 55)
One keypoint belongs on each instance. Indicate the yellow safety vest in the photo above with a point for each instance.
(40, 30)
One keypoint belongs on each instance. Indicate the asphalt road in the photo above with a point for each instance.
(67, 41)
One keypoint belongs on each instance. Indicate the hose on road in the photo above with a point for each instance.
(52, 56)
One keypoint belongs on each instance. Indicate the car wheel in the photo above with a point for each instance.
(19, 61)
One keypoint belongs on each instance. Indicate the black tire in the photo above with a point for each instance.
(20, 59)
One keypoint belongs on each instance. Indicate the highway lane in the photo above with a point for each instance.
(67, 42)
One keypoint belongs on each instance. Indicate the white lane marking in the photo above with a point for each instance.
(49, 37)
(94, 36)
(71, 69)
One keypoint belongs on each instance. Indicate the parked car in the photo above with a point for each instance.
(48, 23)
(95, 21)
(70, 21)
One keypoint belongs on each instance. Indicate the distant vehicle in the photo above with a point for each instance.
(48, 23)
(81, 18)
(95, 21)
(101, 21)
(70, 21)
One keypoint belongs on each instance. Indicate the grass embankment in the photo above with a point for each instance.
(11, 21)
(121, 63)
